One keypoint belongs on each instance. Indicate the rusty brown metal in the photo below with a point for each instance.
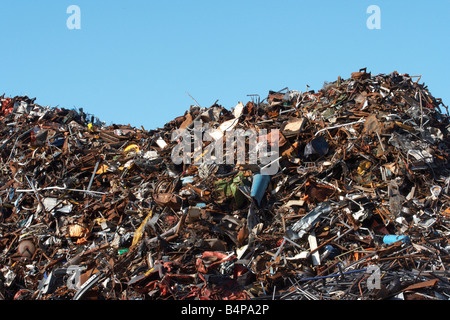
(102, 212)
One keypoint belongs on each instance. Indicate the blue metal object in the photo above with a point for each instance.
(317, 146)
(259, 186)
(330, 252)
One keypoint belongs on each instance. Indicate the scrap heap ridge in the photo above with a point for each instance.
(358, 208)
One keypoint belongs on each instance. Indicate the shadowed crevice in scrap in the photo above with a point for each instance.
(357, 209)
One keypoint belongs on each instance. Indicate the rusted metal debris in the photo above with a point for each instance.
(359, 208)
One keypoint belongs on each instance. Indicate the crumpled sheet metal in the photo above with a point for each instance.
(359, 208)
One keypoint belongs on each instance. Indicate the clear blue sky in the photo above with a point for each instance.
(132, 62)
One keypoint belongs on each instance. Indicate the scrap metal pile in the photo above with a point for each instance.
(359, 208)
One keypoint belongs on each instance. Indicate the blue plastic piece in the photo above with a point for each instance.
(186, 180)
(391, 238)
